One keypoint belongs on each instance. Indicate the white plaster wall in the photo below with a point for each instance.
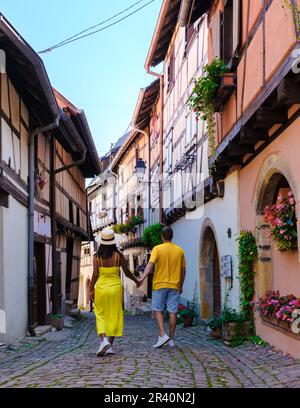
(14, 262)
(223, 213)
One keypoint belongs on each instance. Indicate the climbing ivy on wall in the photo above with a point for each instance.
(247, 253)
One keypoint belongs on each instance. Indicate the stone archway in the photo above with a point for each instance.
(275, 177)
(210, 277)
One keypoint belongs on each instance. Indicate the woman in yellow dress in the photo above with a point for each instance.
(107, 293)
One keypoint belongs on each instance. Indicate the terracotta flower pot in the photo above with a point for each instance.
(188, 321)
(216, 333)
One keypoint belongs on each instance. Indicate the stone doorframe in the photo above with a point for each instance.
(274, 167)
(208, 243)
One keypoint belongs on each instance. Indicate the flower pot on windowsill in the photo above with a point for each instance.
(226, 88)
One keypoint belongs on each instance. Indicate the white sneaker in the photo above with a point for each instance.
(104, 346)
(110, 351)
(171, 343)
(162, 340)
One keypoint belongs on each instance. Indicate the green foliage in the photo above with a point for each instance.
(258, 341)
(232, 316)
(152, 235)
(129, 226)
(215, 322)
(247, 253)
(204, 92)
(237, 341)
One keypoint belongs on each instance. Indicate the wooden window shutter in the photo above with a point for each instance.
(236, 37)
(3, 198)
(216, 36)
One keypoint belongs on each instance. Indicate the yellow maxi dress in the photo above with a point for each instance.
(108, 301)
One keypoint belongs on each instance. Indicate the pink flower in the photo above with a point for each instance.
(290, 194)
(282, 232)
(291, 201)
(279, 222)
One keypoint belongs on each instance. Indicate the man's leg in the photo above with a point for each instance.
(160, 323)
(173, 322)
(172, 306)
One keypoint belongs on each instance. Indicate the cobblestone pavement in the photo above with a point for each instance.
(67, 359)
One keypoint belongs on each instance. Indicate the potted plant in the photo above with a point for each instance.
(202, 100)
(56, 321)
(234, 324)
(188, 315)
(215, 324)
(281, 218)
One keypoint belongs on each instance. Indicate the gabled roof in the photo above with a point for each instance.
(141, 117)
(146, 100)
(28, 74)
(165, 27)
(70, 112)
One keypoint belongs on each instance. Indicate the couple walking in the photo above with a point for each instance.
(167, 262)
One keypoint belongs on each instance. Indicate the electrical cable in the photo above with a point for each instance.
(78, 36)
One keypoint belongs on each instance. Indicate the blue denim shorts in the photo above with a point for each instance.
(163, 299)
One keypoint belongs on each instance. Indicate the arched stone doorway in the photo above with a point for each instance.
(210, 277)
(274, 179)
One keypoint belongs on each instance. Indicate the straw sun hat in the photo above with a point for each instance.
(107, 237)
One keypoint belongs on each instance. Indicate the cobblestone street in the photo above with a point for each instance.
(67, 359)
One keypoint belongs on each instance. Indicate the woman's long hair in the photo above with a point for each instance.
(106, 251)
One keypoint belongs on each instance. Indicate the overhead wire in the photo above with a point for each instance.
(78, 36)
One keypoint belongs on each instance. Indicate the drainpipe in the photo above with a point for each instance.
(147, 135)
(56, 282)
(31, 156)
(161, 82)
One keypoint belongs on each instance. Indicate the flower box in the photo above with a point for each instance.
(227, 87)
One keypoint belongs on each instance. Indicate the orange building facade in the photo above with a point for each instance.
(257, 133)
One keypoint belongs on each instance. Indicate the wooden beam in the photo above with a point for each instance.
(249, 135)
(266, 117)
(288, 91)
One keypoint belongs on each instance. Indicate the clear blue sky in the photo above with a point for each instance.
(101, 74)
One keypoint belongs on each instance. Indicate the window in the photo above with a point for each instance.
(71, 214)
(171, 71)
(226, 31)
(87, 251)
(104, 201)
(191, 126)
(77, 217)
(189, 34)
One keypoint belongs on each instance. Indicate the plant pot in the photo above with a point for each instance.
(188, 321)
(216, 333)
(56, 322)
(233, 329)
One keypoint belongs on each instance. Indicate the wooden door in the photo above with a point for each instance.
(39, 297)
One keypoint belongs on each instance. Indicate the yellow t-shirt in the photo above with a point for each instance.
(169, 259)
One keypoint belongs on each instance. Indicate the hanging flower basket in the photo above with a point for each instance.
(40, 179)
(281, 218)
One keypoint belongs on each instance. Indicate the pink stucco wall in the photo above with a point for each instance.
(285, 266)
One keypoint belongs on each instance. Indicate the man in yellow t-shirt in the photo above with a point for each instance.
(168, 263)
